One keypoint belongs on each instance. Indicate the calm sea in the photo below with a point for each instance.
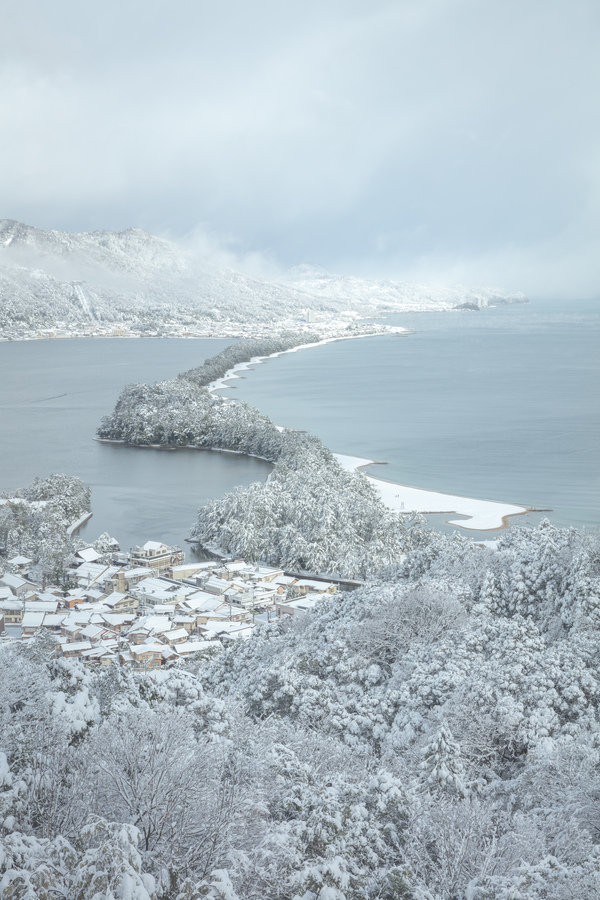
(501, 404)
(52, 396)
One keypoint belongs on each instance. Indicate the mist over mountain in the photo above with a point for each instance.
(133, 276)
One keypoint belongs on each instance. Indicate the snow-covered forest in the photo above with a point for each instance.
(243, 351)
(433, 735)
(310, 514)
(34, 522)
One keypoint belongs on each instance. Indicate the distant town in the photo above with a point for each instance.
(342, 324)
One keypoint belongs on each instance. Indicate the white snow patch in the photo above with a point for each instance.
(483, 515)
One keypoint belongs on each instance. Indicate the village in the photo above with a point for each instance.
(149, 608)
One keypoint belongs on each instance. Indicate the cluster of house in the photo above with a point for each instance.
(149, 608)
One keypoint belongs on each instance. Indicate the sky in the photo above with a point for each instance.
(453, 141)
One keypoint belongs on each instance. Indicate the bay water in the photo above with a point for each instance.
(53, 394)
(501, 404)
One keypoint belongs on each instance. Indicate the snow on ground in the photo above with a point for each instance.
(484, 515)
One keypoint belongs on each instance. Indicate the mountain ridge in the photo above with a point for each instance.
(137, 277)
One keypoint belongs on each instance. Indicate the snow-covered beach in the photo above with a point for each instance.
(483, 515)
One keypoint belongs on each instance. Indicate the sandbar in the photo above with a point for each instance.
(483, 515)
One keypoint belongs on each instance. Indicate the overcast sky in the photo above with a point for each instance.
(453, 140)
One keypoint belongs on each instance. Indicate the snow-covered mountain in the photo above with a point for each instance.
(133, 276)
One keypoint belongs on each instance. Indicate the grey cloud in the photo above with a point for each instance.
(409, 139)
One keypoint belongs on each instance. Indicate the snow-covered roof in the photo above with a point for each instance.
(235, 566)
(53, 620)
(267, 571)
(302, 603)
(138, 572)
(187, 569)
(154, 545)
(162, 609)
(231, 629)
(89, 572)
(177, 634)
(188, 647)
(41, 606)
(151, 647)
(202, 602)
(11, 604)
(88, 554)
(13, 581)
(219, 584)
(32, 619)
(157, 624)
(76, 646)
(116, 597)
(91, 631)
(320, 586)
(20, 561)
(115, 619)
(151, 585)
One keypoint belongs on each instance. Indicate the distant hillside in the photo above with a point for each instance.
(131, 276)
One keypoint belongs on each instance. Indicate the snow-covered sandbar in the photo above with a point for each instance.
(221, 383)
(484, 515)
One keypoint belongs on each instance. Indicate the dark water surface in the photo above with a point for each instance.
(501, 404)
(52, 397)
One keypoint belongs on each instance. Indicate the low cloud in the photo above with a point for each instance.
(408, 139)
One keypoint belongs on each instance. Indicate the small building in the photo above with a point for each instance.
(12, 610)
(120, 603)
(88, 554)
(147, 656)
(31, 623)
(126, 579)
(21, 563)
(157, 556)
(17, 585)
(75, 649)
(175, 636)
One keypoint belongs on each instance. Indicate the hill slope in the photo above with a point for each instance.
(132, 276)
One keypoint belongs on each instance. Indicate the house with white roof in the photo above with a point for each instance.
(87, 554)
(32, 621)
(157, 556)
(22, 563)
(17, 585)
(120, 603)
(12, 610)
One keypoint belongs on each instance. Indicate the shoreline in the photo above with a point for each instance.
(220, 385)
(480, 515)
(181, 447)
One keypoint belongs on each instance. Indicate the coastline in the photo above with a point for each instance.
(181, 447)
(482, 515)
(230, 374)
